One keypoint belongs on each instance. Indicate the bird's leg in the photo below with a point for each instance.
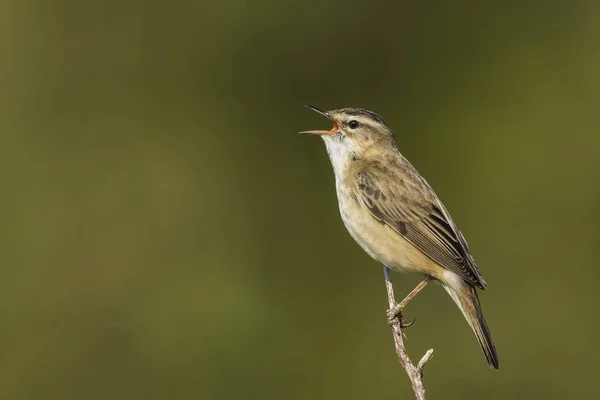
(396, 311)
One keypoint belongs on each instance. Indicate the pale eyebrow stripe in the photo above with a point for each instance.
(365, 113)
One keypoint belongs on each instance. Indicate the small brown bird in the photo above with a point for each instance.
(395, 216)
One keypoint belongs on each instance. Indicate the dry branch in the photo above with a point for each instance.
(415, 373)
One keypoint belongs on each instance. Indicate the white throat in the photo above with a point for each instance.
(339, 155)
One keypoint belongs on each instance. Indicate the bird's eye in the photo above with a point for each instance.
(353, 124)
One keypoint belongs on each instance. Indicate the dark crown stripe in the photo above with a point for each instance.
(363, 113)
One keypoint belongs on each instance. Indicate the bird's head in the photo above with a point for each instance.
(356, 134)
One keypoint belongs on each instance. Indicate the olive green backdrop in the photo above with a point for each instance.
(166, 234)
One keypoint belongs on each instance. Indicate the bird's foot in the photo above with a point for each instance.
(396, 313)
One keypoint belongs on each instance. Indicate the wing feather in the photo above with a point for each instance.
(411, 209)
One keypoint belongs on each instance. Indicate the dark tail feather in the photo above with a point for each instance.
(468, 302)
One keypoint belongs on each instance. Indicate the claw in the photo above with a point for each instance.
(393, 313)
(396, 312)
(404, 324)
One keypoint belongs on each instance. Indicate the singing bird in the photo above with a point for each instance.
(396, 217)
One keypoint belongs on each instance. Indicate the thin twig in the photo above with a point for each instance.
(415, 373)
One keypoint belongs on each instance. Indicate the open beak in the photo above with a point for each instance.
(333, 130)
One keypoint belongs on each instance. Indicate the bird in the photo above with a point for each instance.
(394, 215)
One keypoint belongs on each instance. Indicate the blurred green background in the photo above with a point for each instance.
(168, 235)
